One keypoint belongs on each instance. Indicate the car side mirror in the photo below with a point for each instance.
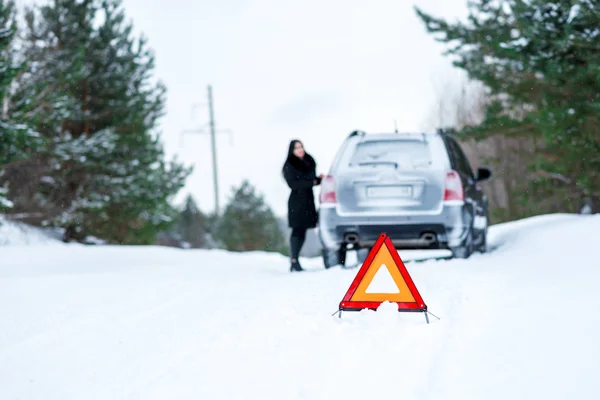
(483, 174)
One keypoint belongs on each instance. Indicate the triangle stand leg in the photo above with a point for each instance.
(426, 316)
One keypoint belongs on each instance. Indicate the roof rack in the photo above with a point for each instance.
(423, 135)
(356, 133)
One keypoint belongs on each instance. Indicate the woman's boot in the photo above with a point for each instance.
(296, 267)
(296, 242)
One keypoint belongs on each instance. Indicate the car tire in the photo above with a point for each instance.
(483, 246)
(331, 258)
(467, 247)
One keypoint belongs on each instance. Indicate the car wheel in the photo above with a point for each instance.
(331, 258)
(482, 247)
(466, 248)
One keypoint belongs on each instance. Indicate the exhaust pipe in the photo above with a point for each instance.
(352, 238)
(428, 238)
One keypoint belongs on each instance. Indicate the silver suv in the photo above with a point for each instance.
(418, 188)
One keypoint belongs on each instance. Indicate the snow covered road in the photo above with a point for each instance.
(157, 323)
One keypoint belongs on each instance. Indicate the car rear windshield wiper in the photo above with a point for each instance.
(395, 164)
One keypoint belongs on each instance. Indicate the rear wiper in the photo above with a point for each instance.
(395, 164)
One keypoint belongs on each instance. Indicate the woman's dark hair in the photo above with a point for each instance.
(300, 164)
(291, 148)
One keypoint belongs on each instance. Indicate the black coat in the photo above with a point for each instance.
(300, 175)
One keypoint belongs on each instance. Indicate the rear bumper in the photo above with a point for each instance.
(447, 229)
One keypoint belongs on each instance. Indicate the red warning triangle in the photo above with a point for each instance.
(383, 266)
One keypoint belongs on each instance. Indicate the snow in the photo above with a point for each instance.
(108, 322)
(574, 13)
(17, 234)
(4, 202)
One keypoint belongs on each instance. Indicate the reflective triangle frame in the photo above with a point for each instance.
(418, 305)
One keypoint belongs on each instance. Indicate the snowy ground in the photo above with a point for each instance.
(14, 233)
(104, 322)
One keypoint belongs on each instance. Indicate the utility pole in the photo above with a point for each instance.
(214, 149)
(213, 141)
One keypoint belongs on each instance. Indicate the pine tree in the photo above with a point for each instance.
(540, 61)
(192, 224)
(98, 106)
(248, 223)
(8, 71)
(16, 140)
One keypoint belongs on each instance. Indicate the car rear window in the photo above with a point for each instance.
(404, 154)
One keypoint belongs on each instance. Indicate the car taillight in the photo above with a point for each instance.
(454, 188)
(328, 190)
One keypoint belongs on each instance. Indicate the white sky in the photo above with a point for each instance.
(312, 69)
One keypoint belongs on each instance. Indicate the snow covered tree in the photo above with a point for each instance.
(540, 61)
(16, 140)
(192, 224)
(248, 223)
(117, 198)
(97, 105)
(8, 70)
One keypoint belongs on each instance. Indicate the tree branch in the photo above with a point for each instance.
(568, 182)
(586, 46)
(502, 131)
(557, 176)
(25, 215)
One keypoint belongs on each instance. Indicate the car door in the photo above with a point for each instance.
(473, 193)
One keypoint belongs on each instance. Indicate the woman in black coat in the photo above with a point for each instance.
(299, 172)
